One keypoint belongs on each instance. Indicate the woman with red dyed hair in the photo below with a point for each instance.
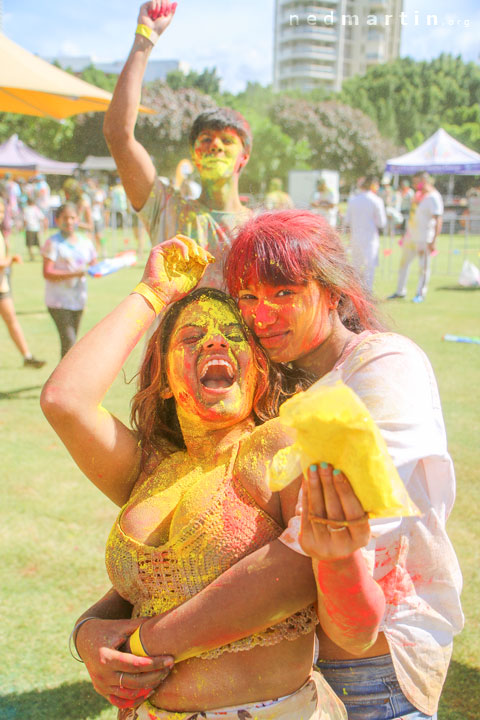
(295, 247)
(305, 303)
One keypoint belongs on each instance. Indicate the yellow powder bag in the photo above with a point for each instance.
(333, 425)
(176, 265)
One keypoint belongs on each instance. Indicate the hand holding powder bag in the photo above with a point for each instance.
(333, 425)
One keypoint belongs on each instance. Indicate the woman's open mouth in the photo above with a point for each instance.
(217, 374)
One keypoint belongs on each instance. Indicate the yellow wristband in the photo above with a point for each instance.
(147, 32)
(136, 647)
(151, 296)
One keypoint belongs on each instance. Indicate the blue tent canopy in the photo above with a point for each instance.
(441, 154)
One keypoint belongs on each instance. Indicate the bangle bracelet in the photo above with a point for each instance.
(147, 32)
(151, 296)
(136, 645)
(73, 637)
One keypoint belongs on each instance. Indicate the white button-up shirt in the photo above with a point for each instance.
(365, 216)
(412, 559)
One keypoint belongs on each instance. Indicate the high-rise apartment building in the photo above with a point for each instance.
(319, 43)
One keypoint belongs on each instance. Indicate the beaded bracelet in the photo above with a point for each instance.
(73, 637)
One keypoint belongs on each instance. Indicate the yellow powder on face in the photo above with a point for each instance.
(212, 316)
(209, 319)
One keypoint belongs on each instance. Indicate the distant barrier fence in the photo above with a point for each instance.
(459, 241)
(456, 244)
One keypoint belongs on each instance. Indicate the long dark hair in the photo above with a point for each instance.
(155, 417)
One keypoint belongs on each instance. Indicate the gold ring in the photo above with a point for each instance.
(336, 529)
(120, 684)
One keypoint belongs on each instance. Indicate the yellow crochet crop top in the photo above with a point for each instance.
(208, 522)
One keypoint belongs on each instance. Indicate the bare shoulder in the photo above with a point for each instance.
(258, 450)
(267, 439)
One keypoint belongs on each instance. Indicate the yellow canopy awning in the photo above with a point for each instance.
(32, 86)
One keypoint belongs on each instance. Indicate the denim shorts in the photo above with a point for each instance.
(369, 689)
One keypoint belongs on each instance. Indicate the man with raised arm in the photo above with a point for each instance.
(220, 144)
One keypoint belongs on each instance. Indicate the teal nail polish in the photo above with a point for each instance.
(337, 472)
(324, 465)
(313, 468)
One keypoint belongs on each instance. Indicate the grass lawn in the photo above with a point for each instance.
(56, 524)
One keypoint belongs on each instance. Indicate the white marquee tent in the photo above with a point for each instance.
(18, 158)
(441, 154)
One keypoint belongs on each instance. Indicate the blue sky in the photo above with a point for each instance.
(236, 37)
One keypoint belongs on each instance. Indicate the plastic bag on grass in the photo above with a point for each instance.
(470, 275)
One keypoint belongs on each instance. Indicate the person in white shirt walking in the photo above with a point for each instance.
(365, 217)
(66, 258)
(424, 226)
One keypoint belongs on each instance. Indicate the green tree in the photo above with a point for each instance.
(463, 123)
(207, 81)
(274, 154)
(46, 136)
(97, 77)
(406, 98)
(339, 137)
(255, 97)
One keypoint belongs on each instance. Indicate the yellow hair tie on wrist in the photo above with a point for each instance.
(136, 646)
(147, 32)
(150, 295)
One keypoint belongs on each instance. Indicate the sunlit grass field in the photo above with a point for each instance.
(55, 524)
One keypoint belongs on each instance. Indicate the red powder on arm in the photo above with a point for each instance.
(350, 602)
